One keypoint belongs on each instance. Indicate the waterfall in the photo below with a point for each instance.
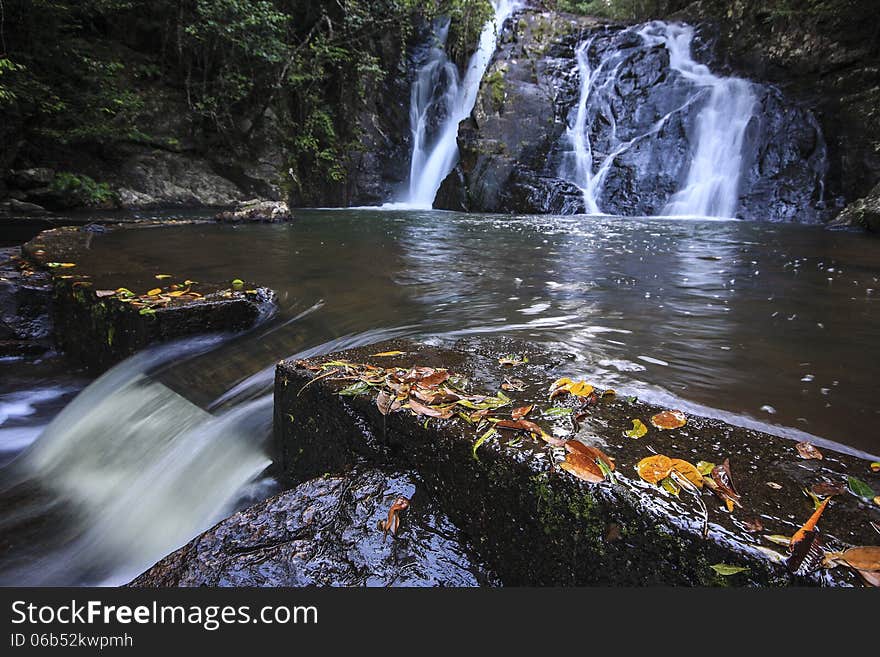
(577, 164)
(724, 108)
(439, 91)
(711, 188)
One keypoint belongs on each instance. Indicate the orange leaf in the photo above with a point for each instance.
(521, 412)
(582, 467)
(576, 446)
(654, 468)
(689, 471)
(669, 420)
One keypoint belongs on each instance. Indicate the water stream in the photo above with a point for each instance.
(772, 326)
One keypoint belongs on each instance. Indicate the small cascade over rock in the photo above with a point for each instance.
(440, 100)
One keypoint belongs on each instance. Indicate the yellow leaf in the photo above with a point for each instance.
(154, 292)
(162, 276)
(689, 471)
(639, 429)
(176, 293)
(383, 354)
(580, 389)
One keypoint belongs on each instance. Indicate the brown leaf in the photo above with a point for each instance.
(583, 467)
(828, 488)
(420, 409)
(865, 558)
(722, 484)
(513, 384)
(808, 451)
(754, 525)
(385, 402)
(521, 412)
(520, 425)
(590, 452)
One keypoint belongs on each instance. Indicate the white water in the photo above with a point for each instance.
(711, 187)
(433, 158)
(142, 468)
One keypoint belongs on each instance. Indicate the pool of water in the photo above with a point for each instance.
(774, 326)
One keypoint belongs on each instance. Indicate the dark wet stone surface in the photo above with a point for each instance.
(536, 524)
(324, 533)
(100, 331)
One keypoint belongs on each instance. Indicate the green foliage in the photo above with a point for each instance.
(81, 190)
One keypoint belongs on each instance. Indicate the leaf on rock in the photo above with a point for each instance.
(521, 412)
(161, 277)
(556, 411)
(828, 488)
(859, 488)
(383, 354)
(774, 485)
(105, 293)
(513, 384)
(689, 471)
(513, 359)
(669, 420)
(726, 570)
(154, 292)
(420, 409)
(808, 451)
(639, 429)
(386, 402)
(483, 439)
(357, 388)
(590, 452)
(583, 467)
(779, 539)
(60, 265)
(705, 468)
(520, 425)
(860, 558)
(655, 468)
(875, 466)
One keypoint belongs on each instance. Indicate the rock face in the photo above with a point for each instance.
(25, 306)
(863, 212)
(641, 116)
(527, 515)
(324, 533)
(256, 211)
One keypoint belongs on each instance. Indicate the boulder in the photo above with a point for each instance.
(863, 212)
(31, 178)
(324, 533)
(256, 211)
(16, 207)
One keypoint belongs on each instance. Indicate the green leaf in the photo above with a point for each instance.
(705, 467)
(357, 388)
(146, 311)
(639, 429)
(860, 489)
(726, 570)
(481, 440)
(556, 411)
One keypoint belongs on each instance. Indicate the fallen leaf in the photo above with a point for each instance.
(608, 394)
(779, 539)
(722, 485)
(520, 425)
(726, 570)
(154, 292)
(705, 468)
(161, 277)
(105, 293)
(669, 420)
(237, 282)
(639, 429)
(176, 293)
(393, 521)
(670, 486)
(808, 451)
(556, 411)
(483, 439)
(583, 467)
(513, 359)
(421, 409)
(859, 488)
(355, 389)
(828, 488)
(774, 485)
(521, 412)
(754, 525)
(689, 471)
(580, 389)
(860, 558)
(385, 402)
(61, 265)
(875, 466)
(513, 384)
(383, 354)
(654, 468)
(590, 452)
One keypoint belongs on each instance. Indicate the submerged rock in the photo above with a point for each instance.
(324, 533)
(256, 211)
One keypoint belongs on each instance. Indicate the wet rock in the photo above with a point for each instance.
(30, 178)
(863, 212)
(25, 305)
(535, 524)
(16, 207)
(256, 211)
(152, 178)
(324, 533)
(99, 328)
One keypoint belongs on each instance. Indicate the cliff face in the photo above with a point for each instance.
(641, 127)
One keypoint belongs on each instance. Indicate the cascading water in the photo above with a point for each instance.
(438, 91)
(724, 106)
(711, 188)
